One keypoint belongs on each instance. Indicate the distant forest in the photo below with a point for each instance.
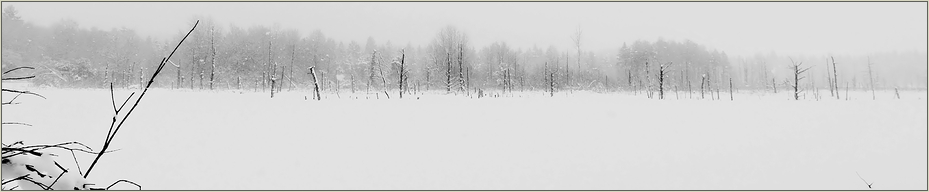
(260, 58)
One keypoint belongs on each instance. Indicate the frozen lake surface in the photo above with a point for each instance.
(227, 140)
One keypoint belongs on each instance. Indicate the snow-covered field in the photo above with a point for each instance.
(231, 140)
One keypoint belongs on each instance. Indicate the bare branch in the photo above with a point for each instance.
(18, 78)
(18, 68)
(11, 100)
(161, 66)
(23, 92)
(124, 181)
(16, 123)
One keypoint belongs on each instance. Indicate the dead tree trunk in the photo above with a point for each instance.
(702, 86)
(402, 72)
(212, 58)
(774, 85)
(797, 71)
(730, 89)
(460, 68)
(551, 83)
(315, 82)
(835, 79)
(448, 72)
(661, 76)
(270, 70)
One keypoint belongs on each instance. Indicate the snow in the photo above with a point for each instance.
(231, 140)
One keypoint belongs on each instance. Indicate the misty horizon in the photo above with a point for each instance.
(737, 28)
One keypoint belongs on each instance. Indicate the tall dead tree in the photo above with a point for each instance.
(702, 85)
(835, 79)
(315, 83)
(662, 68)
(648, 92)
(212, 57)
(730, 89)
(270, 71)
(871, 79)
(798, 71)
(448, 72)
(402, 71)
(461, 79)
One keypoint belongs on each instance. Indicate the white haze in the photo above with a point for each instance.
(738, 28)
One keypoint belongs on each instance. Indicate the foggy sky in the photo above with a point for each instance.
(739, 28)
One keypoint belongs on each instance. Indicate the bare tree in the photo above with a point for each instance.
(798, 71)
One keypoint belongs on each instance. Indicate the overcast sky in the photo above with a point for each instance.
(735, 27)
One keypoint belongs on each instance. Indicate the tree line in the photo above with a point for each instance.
(275, 59)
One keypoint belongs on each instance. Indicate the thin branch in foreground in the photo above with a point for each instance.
(15, 123)
(17, 78)
(77, 164)
(56, 180)
(23, 92)
(18, 68)
(161, 66)
(11, 100)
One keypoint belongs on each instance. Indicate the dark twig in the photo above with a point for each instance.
(23, 92)
(126, 181)
(18, 68)
(56, 180)
(77, 164)
(862, 179)
(161, 66)
(15, 123)
(18, 78)
(11, 100)
(14, 179)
